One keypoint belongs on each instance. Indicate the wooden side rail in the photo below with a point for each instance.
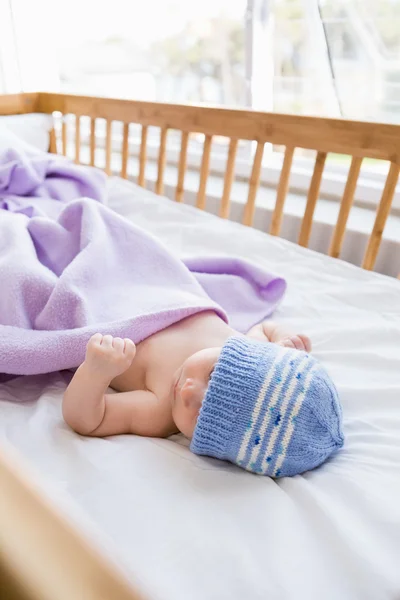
(42, 556)
(359, 140)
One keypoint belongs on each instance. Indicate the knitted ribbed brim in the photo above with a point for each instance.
(268, 409)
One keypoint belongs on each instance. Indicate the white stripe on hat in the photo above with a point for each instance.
(290, 428)
(257, 407)
(267, 418)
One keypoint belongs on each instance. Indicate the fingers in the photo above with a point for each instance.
(130, 348)
(107, 340)
(287, 343)
(300, 342)
(118, 344)
(125, 345)
(297, 342)
(305, 340)
(95, 340)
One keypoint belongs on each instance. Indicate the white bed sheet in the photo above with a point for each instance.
(183, 526)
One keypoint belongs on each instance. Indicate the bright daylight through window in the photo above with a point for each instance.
(319, 57)
(337, 58)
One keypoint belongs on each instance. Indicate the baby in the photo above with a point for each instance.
(260, 400)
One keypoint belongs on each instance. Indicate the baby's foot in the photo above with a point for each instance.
(298, 342)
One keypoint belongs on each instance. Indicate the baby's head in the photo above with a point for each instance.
(190, 388)
(269, 409)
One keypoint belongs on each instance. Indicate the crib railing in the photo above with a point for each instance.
(42, 555)
(358, 140)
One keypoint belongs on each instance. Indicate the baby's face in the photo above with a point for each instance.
(189, 388)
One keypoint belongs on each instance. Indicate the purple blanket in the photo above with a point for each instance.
(42, 183)
(70, 268)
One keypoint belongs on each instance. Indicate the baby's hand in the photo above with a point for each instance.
(297, 342)
(109, 356)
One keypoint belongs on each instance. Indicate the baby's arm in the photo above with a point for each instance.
(268, 331)
(90, 411)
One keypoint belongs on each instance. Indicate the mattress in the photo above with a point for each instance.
(183, 526)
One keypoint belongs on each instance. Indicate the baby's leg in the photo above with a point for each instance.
(268, 331)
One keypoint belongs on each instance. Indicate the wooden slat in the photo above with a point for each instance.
(312, 198)
(92, 141)
(162, 157)
(204, 170)
(254, 182)
(381, 217)
(229, 176)
(345, 207)
(374, 140)
(41, 551)
(180, 188)
(77, 139)
(283, 186)
(64, 134)
(125, 151)
(108, 147)
(143, 156)
(53, 141)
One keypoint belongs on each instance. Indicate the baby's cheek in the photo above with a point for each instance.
(185, 419)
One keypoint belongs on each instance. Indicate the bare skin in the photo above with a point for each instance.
(161, 382)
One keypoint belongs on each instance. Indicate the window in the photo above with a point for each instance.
(333, 58)
(191, 52)
(10, 80)
(169, 50)
(320, 57)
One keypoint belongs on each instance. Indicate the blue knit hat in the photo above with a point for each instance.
(269, 409)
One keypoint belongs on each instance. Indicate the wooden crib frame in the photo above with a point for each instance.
(38, 547)
(357, 139)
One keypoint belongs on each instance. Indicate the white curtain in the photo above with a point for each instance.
(10, 80)
(28, 29)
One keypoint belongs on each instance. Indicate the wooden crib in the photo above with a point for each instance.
(358, 140)
(41, 555)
